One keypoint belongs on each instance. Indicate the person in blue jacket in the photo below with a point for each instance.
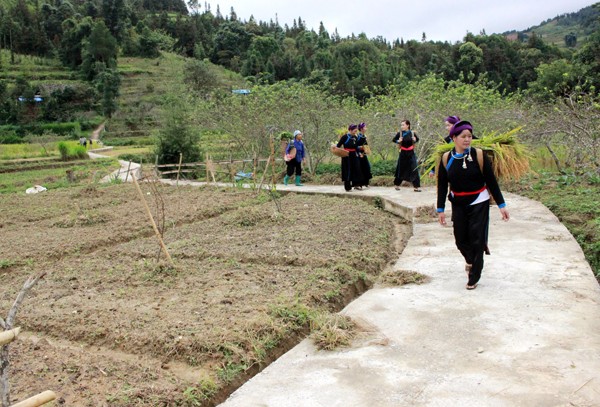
(295, 163)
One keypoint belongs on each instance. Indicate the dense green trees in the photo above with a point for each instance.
(355, 66)
(88, 37)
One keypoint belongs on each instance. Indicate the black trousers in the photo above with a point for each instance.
(292, 166)
(470, 223)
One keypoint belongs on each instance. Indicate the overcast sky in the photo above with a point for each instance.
(391, 19)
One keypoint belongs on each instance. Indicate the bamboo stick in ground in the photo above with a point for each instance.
(179, 169)
(9, 336)
(38, 400)
(149, 213)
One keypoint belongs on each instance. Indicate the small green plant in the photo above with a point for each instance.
(196, 395)
(297, 314)
(5, 263)
(378, 202)
(63, 149)
(230, 370)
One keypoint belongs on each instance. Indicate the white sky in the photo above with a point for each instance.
(440, 20)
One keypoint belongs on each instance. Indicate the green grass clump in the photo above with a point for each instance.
(568, 197)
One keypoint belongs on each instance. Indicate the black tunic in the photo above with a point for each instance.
(351, 171)
(466, 180)
(406, 167)
(365, 165)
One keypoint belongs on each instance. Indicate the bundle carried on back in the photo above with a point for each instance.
(508, 157)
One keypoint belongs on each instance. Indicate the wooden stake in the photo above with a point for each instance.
(210, 166)
(207, 179)
(254, 165)
(38, 400)
(272, 157)
(9, 336)
(263, 176)
(158, 236)
(179, 169)
(128, 169)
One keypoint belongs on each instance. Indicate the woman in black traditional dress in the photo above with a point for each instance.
(351, 173)
(406, 168)
(469, 173)
(365, 165)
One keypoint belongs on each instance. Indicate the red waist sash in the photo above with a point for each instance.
(407, 148)
(350, 149)
(469, 193)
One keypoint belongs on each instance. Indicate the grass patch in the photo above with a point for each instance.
(332, 331)
(570, 198)
(34, 150)
(402, 277)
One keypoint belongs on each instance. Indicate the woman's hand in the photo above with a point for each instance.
(505, 214)
(442, 218)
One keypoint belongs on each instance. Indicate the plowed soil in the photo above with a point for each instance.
(113, 324)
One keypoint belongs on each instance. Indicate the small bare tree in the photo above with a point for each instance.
(7, 325)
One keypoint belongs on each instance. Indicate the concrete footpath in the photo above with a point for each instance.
(529, 335)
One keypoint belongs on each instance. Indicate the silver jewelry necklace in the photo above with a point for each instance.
(465, 156)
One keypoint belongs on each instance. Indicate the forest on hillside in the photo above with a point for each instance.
(89, 36)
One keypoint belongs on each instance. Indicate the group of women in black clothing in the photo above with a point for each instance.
(356, 168)
(465, 177)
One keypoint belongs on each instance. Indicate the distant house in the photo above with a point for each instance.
(241, 91)
(36, 98)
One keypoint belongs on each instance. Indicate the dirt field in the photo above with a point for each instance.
(109, 326)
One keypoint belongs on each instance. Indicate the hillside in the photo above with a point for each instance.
(565, 31)
(144, 85)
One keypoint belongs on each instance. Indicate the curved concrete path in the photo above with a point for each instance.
(123, 173)
(529, 335)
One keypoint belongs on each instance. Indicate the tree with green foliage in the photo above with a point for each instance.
(231, 40)
(471, 61)
(589, 58)
(199, 76)
(571, 40)
(108, 82)
(99, 51)
(149, 43)
(114, 13)
(176, 136)
(557, 79)
(71, 45)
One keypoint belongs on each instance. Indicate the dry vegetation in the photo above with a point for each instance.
(111, 326)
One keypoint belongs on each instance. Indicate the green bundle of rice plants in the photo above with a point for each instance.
(508, 156)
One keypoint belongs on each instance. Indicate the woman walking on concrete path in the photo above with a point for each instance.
(406, 168)
(469, 173)
(448, 123)
(363, 152)
(351, 172)
(294, 164)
